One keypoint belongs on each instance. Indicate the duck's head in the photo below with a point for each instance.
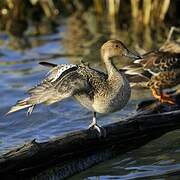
(115, 48)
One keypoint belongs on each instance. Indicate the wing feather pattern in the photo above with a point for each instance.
(63, 81)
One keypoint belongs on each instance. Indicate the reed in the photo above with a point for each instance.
(143, 12)
(151, 11)
(113, 7)
(135, 8)
(49, 8)
(98, 5)
(164, 9)
(160, 9)
(146, 11)
(10, 4)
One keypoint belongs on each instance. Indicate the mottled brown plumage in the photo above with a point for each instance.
(165, 67)
(158, 61)
(164, 80)
(161, 69)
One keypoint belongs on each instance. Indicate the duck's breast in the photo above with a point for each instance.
(85, 100)
(113, 100)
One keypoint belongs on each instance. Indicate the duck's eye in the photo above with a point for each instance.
(116, 46)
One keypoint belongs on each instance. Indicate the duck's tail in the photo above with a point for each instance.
(47, 64)
(38, 95)
(21, 104)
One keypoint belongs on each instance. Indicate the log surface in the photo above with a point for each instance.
(74, 152)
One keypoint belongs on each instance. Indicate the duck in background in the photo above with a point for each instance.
(160, 69)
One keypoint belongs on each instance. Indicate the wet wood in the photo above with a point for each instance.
(74, 152)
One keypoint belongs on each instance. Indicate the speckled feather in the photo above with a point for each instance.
(60, 70)
(157, 61)
(66, 80)
(166, 79)
(163, 69)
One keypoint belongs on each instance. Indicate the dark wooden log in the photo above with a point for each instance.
(74, 152)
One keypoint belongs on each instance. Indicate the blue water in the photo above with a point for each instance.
(19, 71)
(159, 159)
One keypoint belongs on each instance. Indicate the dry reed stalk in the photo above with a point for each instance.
(159, 9)
(147, 39)
(170, 34)
(113, 7)
(98, 6)
(10, 4)
(146, 11)
(49, 8)
(155, 9)
(113, 27)
(135, 8)
(164, 9)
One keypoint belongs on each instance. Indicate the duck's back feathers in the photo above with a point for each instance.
(162, 69)
(157, 61)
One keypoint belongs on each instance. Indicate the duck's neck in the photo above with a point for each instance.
(112, 71)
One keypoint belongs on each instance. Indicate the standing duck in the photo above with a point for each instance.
(162, 70)
(95, 90)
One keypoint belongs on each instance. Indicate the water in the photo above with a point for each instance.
(158, 159)
(19, 70)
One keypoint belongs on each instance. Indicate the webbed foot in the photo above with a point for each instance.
(100, 130)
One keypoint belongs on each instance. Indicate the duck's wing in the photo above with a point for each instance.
(165, 79)
(62, 81)
(137, 75)
(157, 61)
(136, 69)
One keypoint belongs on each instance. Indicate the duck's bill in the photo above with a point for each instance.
(132, 55)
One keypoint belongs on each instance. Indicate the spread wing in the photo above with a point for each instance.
(62, 81)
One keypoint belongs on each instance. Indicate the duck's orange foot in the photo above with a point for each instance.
(168, 100)
(163, 98)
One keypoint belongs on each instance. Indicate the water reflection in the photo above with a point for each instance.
(153, 161)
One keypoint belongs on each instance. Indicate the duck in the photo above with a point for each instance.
(97, 91)
(161, 68)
